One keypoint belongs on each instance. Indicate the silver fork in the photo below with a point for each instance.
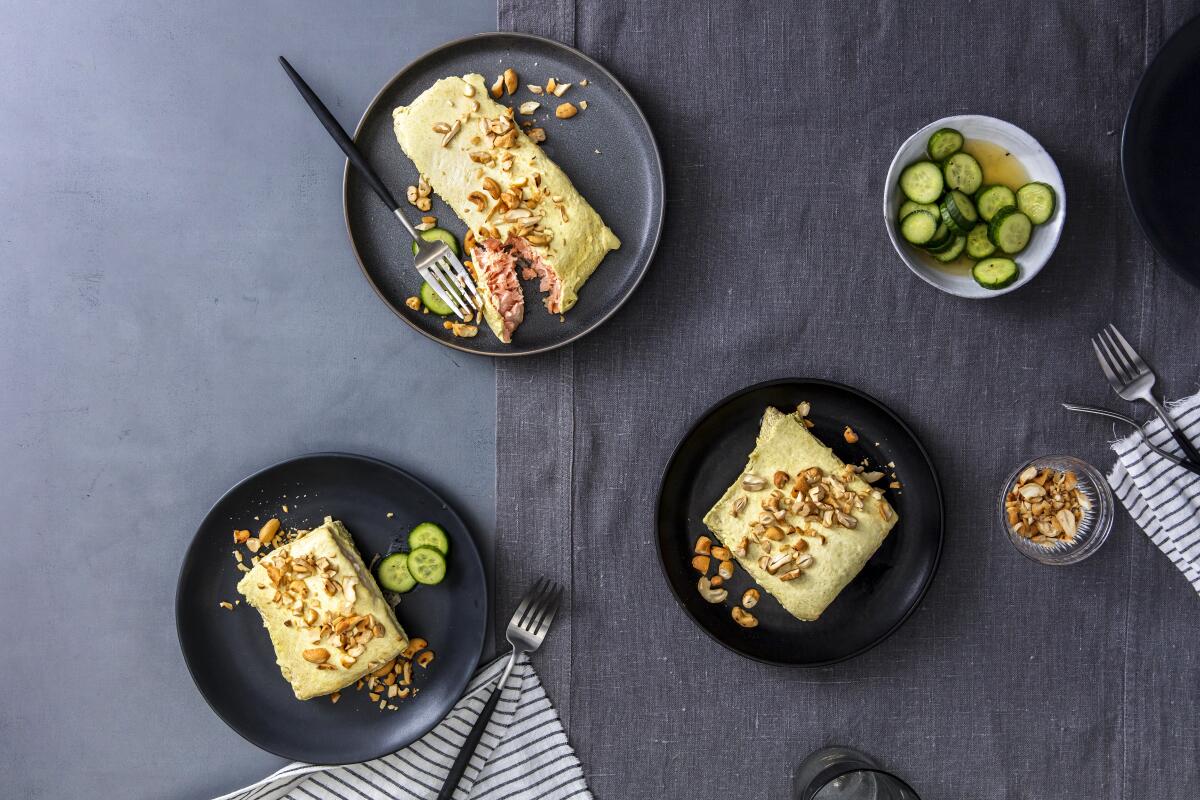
(1132, 379)
(442, 270)
(435, 261)
(526, 632)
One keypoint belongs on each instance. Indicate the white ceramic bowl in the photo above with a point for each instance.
(1037, 163)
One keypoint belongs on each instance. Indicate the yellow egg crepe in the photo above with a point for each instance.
(327, 618)
(801, 522)
(527, 219)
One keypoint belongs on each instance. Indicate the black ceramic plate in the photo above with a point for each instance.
(1160, 158)
(608, 151)
(711, 457)
(230, 656)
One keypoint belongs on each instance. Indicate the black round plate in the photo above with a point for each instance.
(711, 457)
(229, 653)
(1159, 155)
(608, 151)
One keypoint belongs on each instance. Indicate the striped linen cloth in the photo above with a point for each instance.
(1162, 498)
(524, 753)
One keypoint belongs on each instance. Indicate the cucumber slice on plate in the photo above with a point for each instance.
(909, 206)
(953, 251)
(978, 243)
(427, 565)
(1036, 200)
(958, 212)
(438, 235)
(1010, 230)
(995, 273)
(429, 534)
(434, 303)
(942, 238)
(918, 227)
(922, 182)
(944, 143)
(393, 573)
(991, 199)
(963, 172)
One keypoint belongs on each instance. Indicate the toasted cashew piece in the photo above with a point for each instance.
(744, 618)
(709, 593)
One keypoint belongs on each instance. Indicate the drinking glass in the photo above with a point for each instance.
(842, 773)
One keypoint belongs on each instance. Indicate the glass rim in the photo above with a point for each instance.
(1101, 521)
(831, 773)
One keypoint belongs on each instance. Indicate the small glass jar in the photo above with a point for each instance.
(1093, 529)
(843, 773)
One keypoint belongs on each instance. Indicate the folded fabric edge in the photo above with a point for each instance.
(1132, 451)
(482, 680)
(1126, 444)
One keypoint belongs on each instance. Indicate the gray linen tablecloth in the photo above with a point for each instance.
(777, 123)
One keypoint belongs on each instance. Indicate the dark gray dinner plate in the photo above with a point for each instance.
(229, 653)
(1160, 159)
(712, 456)
(608, 151)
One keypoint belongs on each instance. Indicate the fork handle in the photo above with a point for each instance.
(1181, 439)
(476, 733)
(340, 136)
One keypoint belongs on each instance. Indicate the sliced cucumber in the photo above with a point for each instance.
(944, 143)
(943, 238)
(438, 235)
(429, 534)
(958, 212)
(427, 565)
(995, 273)
(1036, 201)
(991, 199)
(963, 172)
(953, 251)
(1009, 230)
(434, 303)
(428, 296)
(918, 227)
(922, 182)
(909, 206)
(393, 573)
(978, 243)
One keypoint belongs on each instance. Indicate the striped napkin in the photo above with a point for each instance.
(524, 753)
(1162, 498)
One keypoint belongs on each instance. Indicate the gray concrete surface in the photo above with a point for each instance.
(179, 307)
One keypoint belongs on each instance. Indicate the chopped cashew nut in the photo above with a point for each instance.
(744, 618)
(710, 593)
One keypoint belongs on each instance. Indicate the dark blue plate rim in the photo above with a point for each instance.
(473, 554)
(701, 420)
(1190, 273)
(660, 211)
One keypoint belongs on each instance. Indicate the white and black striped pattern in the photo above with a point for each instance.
(524, 753)
(1162, 498)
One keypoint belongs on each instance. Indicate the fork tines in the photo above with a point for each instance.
(537, 609)
(1119, 361)
(450, 280)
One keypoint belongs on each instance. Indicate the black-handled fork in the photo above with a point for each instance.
(1132, 379)
(526, 632)
(436, 262)
(1104, 412)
